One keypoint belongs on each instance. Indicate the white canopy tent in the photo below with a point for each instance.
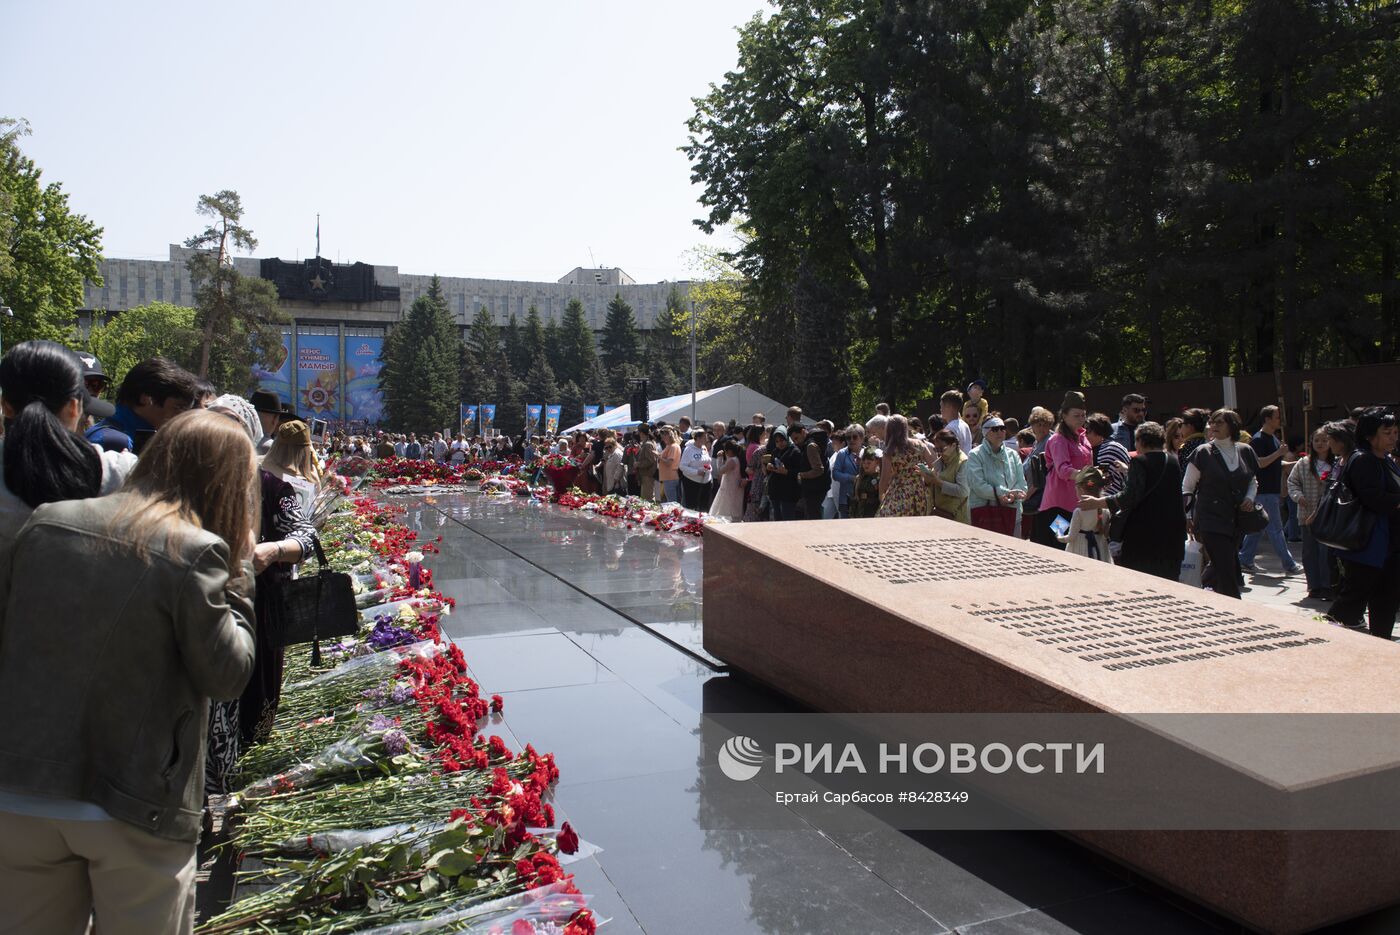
(721, 404)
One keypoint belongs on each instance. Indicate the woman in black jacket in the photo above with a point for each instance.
(1153, 524)
(1371, 576)
(1219, 484)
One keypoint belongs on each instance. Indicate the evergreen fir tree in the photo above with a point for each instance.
(533, 337)
(484, 339)
(421, 376)
(517, 354)
(621, 343)
(577, 355)
(510, 404)
(540, 385)
(551, 345)
(571, 399)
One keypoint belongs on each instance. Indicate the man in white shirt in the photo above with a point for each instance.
(951, 404)
(439, 446)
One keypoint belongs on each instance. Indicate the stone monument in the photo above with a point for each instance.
(924, 615)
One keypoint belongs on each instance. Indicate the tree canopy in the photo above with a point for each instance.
(1052, 192)
(422, 371)
(156, 329)
(49, 250)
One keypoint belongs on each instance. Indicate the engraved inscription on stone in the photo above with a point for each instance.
(1140, 629)
(961, 559)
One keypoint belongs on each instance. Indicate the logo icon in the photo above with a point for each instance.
(740, 758)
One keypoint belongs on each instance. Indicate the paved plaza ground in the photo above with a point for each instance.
(592, 633)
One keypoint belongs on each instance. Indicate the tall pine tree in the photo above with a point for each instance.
(577, 355)
(621, 343)
(517, 354)
(422, 367)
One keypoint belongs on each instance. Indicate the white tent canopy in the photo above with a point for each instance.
(721, 404)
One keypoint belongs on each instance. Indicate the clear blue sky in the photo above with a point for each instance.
(496, 140)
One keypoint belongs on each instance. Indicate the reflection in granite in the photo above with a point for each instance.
(592, 634)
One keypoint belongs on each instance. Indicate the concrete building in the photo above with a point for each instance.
(329, 365)
(364, 295)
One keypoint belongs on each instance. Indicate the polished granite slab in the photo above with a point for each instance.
(684, 849)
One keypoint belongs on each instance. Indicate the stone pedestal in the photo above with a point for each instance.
(928, 615)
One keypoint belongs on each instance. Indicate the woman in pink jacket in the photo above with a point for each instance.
(1066, 452)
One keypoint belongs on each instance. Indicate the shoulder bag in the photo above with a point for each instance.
(1247, 522)
(1341, 521)
(320, 606)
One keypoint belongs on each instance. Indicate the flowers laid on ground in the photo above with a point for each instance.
(635, 512)
(378, 800)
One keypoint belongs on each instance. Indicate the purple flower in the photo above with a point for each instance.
(380, 723)
(385, 635)
(395, 742)
(401, 694)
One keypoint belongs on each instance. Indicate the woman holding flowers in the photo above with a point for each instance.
(100, 786)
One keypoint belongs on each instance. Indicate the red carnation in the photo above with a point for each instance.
(581, 924)
(497, 703)
(568, 839)
(522, 927)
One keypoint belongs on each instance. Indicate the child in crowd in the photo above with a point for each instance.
(865, 499)
(1088, 529)
(977, 393)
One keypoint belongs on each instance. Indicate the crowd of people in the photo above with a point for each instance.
(1124, 490)
(142, 546)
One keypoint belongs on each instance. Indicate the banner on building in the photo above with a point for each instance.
(318, 376)
(488, 418)
(468, 419)
(532, 417)
(551, 418)
(363, 401)
(590, 412)
(276, 375)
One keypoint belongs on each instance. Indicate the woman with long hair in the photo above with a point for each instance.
(291, 453)
(902, 488)
(1175, 431)
(1066, 452)
(125, 615)
(44, 459)
(284, 539)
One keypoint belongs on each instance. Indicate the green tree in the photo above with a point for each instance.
(577, 355)
(540, 384)
(510, 403)
(571, 401)
(422, 372)
(533, 336)
(621, 343)
(156, 329)
(551, 345)
(237, 316)
(484, 339)
(48, 249)
(518, 355)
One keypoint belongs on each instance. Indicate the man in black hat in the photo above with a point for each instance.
(94, 377)
(271, 413)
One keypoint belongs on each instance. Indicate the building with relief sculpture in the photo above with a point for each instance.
(341, 311)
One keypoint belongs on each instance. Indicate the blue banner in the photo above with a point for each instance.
(532, 417)
(468, 419)
(551, 418)
(363, 400)
(590, 412)
(318, 376)
(488, 418)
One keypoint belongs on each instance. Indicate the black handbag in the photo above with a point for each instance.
(320, 606)
(1252, 521)
(1341, 521)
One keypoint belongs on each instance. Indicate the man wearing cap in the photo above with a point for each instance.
(152, 393)
(996, 483)
(94, 377)
(271, 412)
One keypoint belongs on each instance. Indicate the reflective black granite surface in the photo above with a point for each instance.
(592, 634)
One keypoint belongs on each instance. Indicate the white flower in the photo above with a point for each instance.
(413, 558)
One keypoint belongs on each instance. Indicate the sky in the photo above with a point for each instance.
(494, 140)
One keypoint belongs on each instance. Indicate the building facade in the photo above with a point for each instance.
(341, 311)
